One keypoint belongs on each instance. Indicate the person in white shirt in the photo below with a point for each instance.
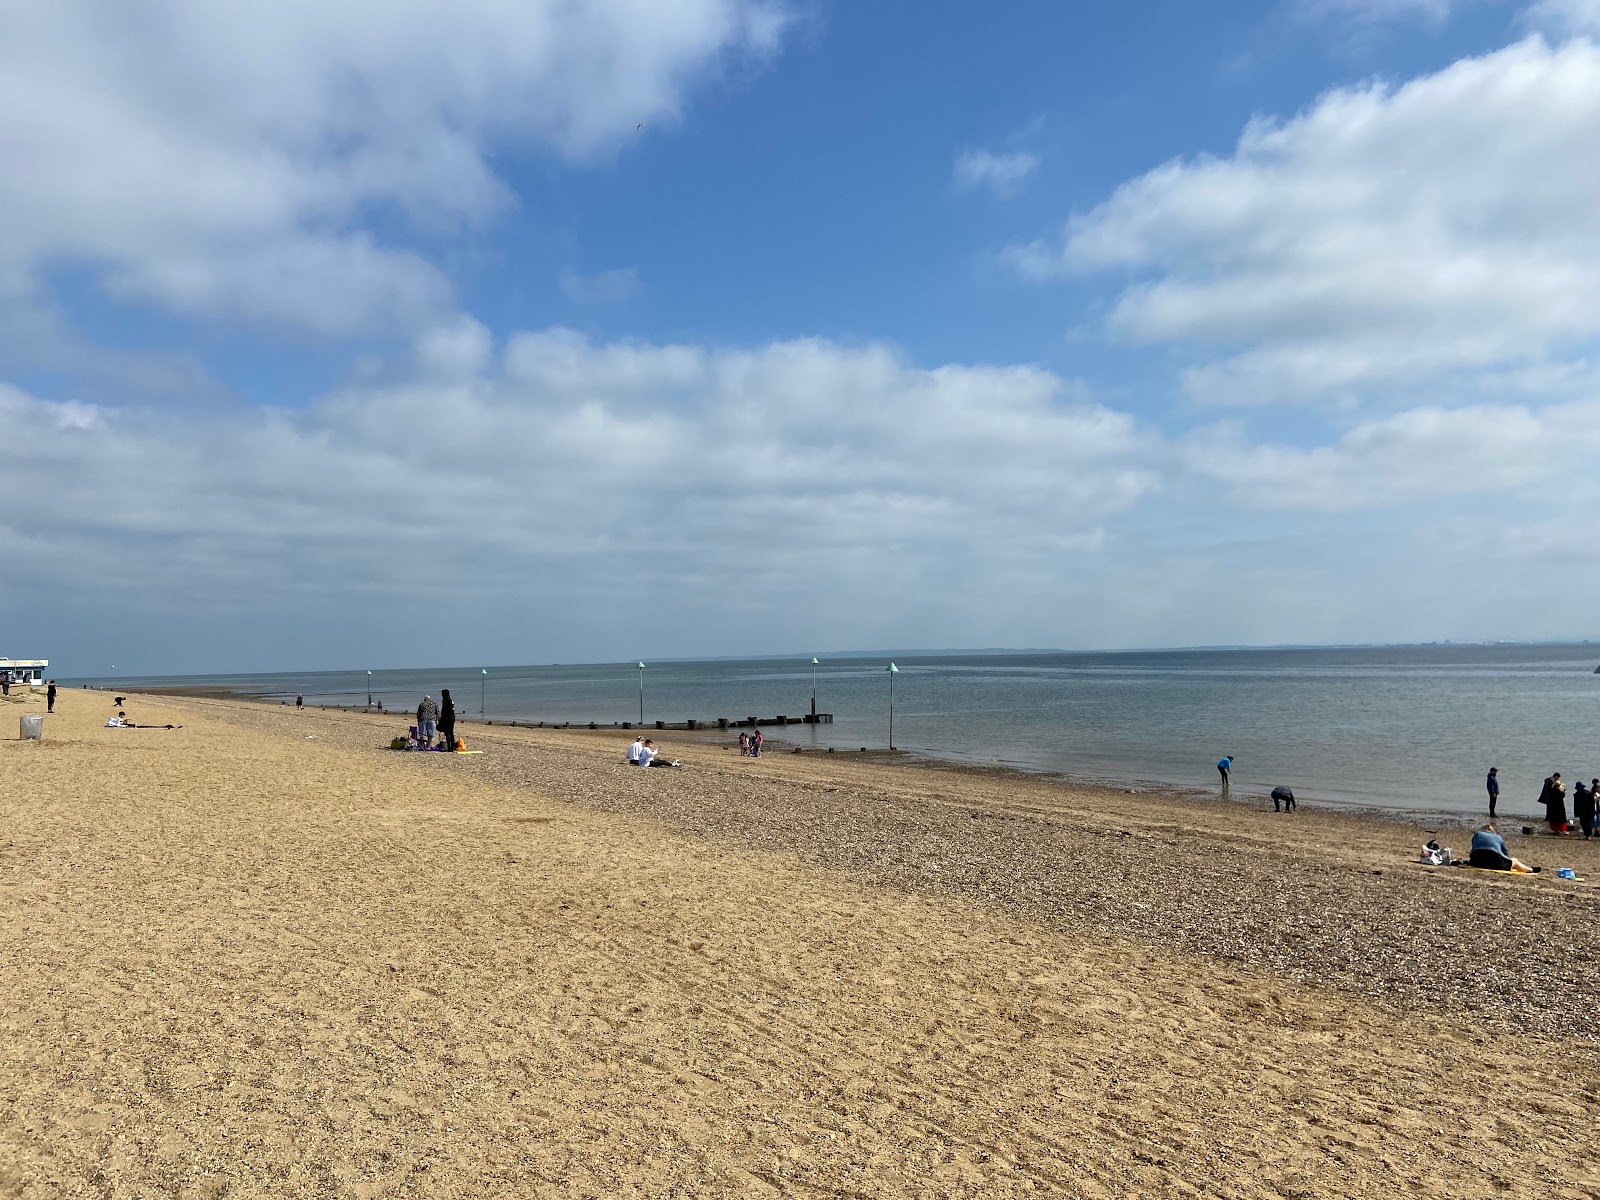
(635, 750)
(120, 721)
(647, 753)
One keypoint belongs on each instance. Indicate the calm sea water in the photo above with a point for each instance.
(1393, 727)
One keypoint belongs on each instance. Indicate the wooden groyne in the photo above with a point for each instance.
(720, 723)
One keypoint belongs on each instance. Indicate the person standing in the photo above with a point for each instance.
(50, 697)
(1554, 799)
(1583, 802)
(427, 718)
(1224, 767)
(756, 741)
(447, 719)
(300, 701)
(1493, 784)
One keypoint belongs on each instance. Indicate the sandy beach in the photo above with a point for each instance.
(261, 955)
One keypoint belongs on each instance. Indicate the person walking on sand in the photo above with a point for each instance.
(50, 697)
(1583, 801)
(744, 744)
(1224, 767)
(1493, 784)
(427, 721)
(447, 719)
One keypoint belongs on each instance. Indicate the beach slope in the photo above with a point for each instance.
(262, 956)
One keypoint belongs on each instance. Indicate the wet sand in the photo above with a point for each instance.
(261, 956)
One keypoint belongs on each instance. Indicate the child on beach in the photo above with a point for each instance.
(744, 744)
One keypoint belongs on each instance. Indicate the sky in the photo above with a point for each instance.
(407, 333)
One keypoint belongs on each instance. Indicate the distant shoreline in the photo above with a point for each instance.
(1244, 797)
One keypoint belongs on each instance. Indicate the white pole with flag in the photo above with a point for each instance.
(641, 693)
(893, 671)
(369, 689)
(483, 689)
(813, 687)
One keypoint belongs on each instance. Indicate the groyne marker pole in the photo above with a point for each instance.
(893, 671)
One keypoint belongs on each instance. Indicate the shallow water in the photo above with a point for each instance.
(1413, 727)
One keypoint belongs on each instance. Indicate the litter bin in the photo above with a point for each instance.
(32, 727)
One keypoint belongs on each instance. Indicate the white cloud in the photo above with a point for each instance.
(604, 287)
(1421, 454)
(1002, 174)
(1385, 235)
(1564, 17)
(226, 160)
(581, 481)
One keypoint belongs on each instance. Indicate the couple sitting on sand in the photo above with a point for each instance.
(643, 753)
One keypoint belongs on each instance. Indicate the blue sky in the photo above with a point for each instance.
(409, 334)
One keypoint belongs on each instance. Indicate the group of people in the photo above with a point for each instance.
(1553, 796)
(437, 720)
(643, 753)
(750, 744)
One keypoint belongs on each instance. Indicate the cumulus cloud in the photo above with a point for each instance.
(1002, 174)
(226, 160)
(1564, 17)
(1387, 234)
(1420, 454)
(585, 482)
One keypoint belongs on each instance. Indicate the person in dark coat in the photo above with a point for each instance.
(1583, 801)
(1493, 784)
(1282, 796)
(1554, 799)
(50, 697)
(447, 719)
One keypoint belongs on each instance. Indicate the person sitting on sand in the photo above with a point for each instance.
(636, 752)
(649, 756)
(1489, 852)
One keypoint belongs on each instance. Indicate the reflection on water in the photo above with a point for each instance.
(1408, 727)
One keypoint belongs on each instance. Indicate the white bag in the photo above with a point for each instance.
(32, 728)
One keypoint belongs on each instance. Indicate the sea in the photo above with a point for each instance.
(1392, 727)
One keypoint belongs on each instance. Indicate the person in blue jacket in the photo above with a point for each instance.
(1224, 765)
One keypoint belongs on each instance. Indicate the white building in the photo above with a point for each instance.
(24, 670)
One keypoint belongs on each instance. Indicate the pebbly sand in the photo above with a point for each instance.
(261, 956)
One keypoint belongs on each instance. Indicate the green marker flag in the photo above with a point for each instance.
(641, 666)
(1597, 670)
(814, 663)
(894, 669)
